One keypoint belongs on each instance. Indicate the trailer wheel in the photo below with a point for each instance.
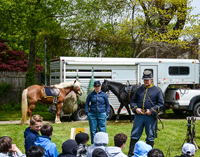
(179, 112)
(109, 117)
(79, 115)
(196, 110)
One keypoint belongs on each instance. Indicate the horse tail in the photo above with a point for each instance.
(24, 106)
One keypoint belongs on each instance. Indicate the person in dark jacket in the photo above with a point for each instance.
(145, 103)
(99, 109)
(69, 149)
(31, 133)
(188, 150)
(81, 140)
(45, 141)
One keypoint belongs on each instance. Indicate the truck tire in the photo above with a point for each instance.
(79, 114)
(109, 117)
(196, 110)
(179, 112)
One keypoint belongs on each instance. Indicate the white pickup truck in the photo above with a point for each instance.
(183, 100)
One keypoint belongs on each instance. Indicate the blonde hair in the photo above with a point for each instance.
(36, 118)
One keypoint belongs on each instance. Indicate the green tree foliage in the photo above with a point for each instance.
(117, 28)
(26, 21)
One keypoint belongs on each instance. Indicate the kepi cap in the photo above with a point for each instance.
(147, 75)
(188, 149)
(97, 83)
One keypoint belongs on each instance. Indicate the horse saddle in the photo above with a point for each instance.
(51, 91)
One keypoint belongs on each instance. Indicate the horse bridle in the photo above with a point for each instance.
(76, 90)
(106, 85)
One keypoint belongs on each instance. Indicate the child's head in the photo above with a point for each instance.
(98, 152)
(5, 144)
(120, 140)
(188, 149)
(81, 138)
(155, 153)
(36, 123)
(35, 151)
(46, 130)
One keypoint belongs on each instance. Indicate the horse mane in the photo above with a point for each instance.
(67, 84)
(116, 83)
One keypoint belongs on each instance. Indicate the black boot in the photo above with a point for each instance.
(151, 143)
(131, 147)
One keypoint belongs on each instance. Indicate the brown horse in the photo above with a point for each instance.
(34, 94)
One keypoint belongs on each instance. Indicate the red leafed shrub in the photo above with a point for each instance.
(11, 60)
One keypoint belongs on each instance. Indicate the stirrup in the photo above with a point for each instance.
(55, 100)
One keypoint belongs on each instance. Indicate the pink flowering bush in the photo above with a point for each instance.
(11, 60)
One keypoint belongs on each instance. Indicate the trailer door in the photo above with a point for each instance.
(153, 69)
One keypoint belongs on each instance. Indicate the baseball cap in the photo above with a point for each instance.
(97, 83)
(188, 149)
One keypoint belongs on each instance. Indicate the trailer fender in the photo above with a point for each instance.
(193, 101)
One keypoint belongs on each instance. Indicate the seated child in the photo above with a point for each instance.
(69, 149)
(81, 140)
(45, 141)
(120, 142)
(155, 153)
(8, 149)
(98, 152)
(100, 141)
(141, 149)
(188, 150)
(35, 151)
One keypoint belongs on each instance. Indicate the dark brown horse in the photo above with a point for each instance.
(34, 94)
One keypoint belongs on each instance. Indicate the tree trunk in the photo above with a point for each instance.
(30, 80)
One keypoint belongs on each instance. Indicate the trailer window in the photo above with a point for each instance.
(179, 70)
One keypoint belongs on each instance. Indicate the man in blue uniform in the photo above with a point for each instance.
(145, 103)
(99, 109)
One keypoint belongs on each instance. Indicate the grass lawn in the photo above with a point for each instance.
(171, 138)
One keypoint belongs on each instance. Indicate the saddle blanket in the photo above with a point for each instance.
(50, 93)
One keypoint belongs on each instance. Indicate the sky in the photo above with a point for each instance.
(196, 5)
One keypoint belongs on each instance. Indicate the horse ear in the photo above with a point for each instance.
(75, 81)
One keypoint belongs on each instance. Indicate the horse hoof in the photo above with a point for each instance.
(116, 121)
(58, 122)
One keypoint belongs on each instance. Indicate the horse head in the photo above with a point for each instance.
(77, 87)
(104, 86)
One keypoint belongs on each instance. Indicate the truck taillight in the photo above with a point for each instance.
(177, 96)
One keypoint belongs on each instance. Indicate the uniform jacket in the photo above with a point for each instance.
(49, 147)
(100, 141)
(98, 102)
(30, 137)
(18, 154)
(141, 100)
(114, 152)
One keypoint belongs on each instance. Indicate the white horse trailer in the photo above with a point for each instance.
(165, 72)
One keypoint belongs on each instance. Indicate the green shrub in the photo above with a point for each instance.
(4, 87)
(41, 107)
(17, 107)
